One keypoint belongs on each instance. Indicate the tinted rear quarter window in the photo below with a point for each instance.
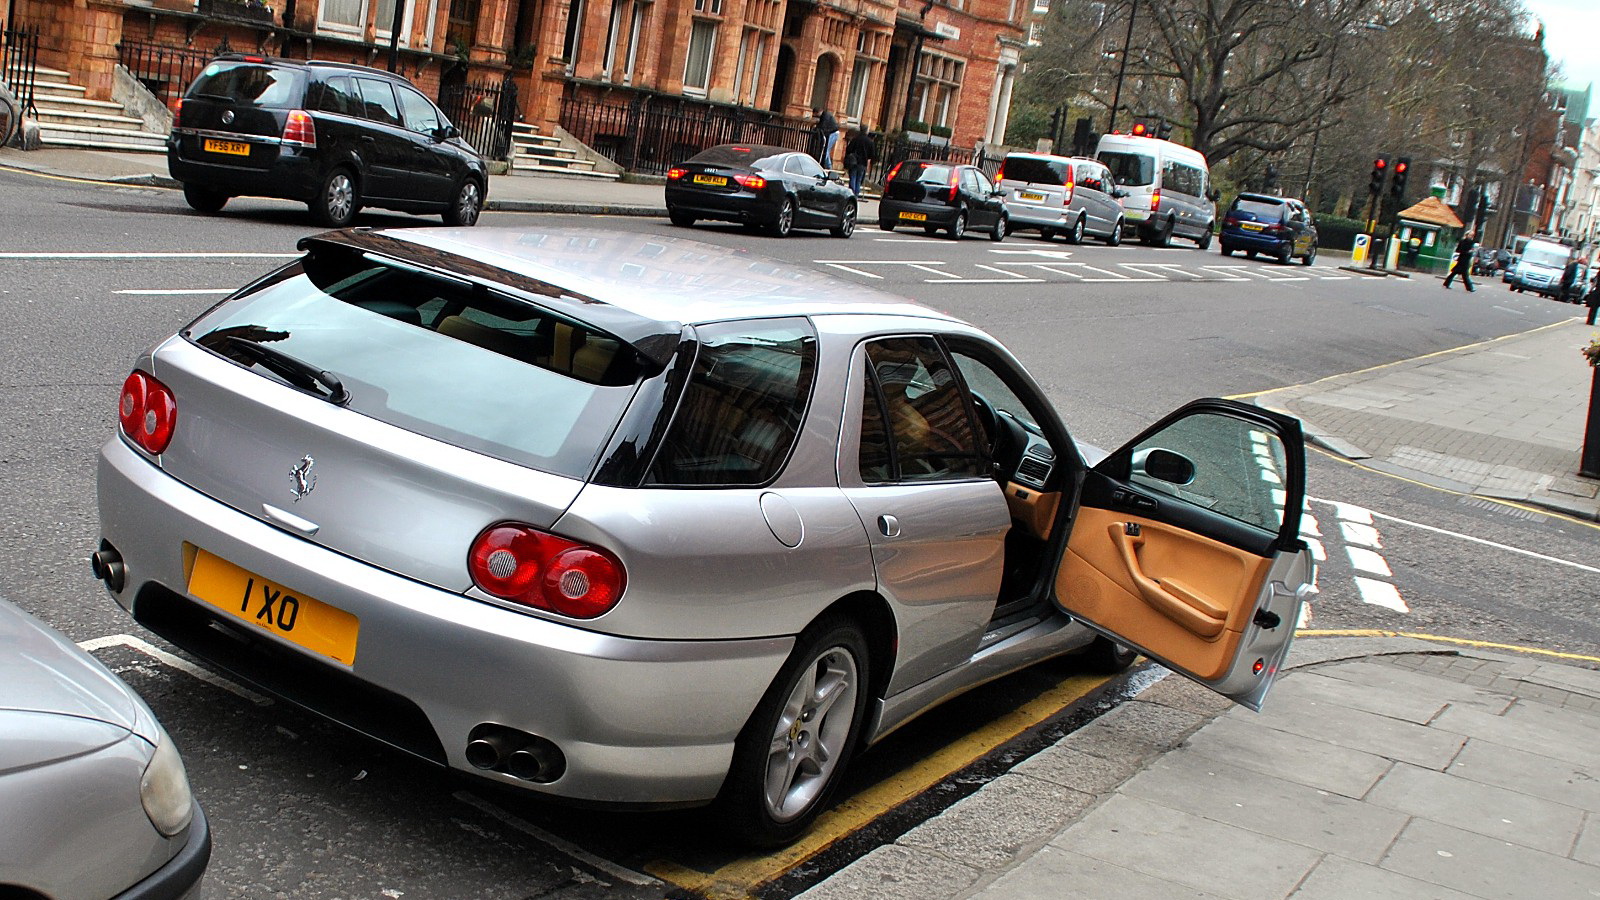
(1132, 169)
(378, 102)
(742, 409)
(1035, 171)
(473, 368)
(1265, 209)
(928, 173)
(251, 84)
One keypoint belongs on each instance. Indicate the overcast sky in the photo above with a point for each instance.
(1571, 28)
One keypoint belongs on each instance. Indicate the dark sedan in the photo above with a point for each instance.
(759, 186)
(942, 196)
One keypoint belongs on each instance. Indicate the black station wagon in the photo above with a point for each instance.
(332, 135)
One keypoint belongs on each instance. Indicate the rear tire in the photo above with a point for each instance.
(338, 200)
(1048, 234)
(1115, 237)
(885, 225)
(958, 228)
(1310, 257)
(789, 755)
(682, 220)
(1164, 236)
(468, 203)
(1076, 235)
(1285, 256)
(785, 221)
(203, 199)
(1203, 242)
(847, 223)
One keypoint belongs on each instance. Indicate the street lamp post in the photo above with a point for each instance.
(394, 35)
(1122, 67)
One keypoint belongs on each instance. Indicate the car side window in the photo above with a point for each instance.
(377, 100)
(1226, 465)
(983, 184)
(338, 97)
(803, 165)
(916, 424)
(743, 405)
(421, 116)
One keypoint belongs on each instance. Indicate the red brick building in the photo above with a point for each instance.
(881, 63)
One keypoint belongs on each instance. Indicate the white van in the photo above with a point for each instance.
(1169, 188)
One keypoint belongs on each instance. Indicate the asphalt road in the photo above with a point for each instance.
(1118, 336)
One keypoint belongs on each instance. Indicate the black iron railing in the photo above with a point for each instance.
(166, 71)
(19, 64)
(903, 148)
(650, 133)
(483, 112)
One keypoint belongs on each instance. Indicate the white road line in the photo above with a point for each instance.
(149, 255)
(1226, 272)
(561, 844)
(1318, 552)
(959, 280)
(1487, 543)
(1140, 267)
(1369, 561)
(182, 665)
(1381, 593)
(845, 268)
(174, 292)
(1361, 535)
(932, 271)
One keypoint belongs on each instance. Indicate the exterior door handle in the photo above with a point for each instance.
(367, 139)
(889, 526)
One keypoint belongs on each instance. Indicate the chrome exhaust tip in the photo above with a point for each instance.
(106, 563)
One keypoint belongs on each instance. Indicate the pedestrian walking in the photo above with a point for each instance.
(824, 134)
(1569, 281)
(1463, 266)
(859, 152)
(1592, 300)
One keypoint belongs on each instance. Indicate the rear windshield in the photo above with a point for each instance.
(1266, 209)
(1036, 171)
(927, 173)
(250, 84)
(471, 367)
(736, 154)
(1131, 169)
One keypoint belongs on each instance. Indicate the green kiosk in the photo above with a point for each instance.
(1428, 233)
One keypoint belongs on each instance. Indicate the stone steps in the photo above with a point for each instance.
(541, 154)
(68, 119)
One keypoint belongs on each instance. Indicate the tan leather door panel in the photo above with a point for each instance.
(1187, 594)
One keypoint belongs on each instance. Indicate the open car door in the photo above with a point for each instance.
(1186, 546)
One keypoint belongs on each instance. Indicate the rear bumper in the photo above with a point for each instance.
(1024, 216)
(295, 175)
(1234, 239)
(743, 208)
(638, 721)
(936, 214)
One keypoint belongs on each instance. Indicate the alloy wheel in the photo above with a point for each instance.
(811, 733)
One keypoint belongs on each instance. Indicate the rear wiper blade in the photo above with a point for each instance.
(298, 373)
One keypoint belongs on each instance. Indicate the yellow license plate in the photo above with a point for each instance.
(914, 217)
(232, 148)
(1251, 226)
(713, 180)
(1030, 195)
(312, 624)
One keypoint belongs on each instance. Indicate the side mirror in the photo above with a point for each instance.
(1213, 194)
(997, 192)
(1119, 193)
(445, 133)
(1164, 465)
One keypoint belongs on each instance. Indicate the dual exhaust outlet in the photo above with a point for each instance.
(516, 753)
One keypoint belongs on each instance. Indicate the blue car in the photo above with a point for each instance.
(1277, 226)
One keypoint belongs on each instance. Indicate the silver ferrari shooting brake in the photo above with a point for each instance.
(638, 519)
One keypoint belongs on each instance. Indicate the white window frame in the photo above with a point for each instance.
(640, 9)
(697, 26)
(608, 57)
(382, 23)
(860, 77)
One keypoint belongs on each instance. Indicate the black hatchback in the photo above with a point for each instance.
(759, 186)
(332, 135)
(942, 196)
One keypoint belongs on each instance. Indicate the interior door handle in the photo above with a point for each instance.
(889, 526)
(1170, 597)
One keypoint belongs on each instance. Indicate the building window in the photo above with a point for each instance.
(697, 70)
(619, 8)
(860, 75)
(640, 9)
(351, 15)
(938, 86)
(714, 7)
(569, 44)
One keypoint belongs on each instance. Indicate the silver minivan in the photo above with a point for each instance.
(1067, 195)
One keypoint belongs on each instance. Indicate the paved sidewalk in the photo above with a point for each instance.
(1381, 768)
(1502, 419)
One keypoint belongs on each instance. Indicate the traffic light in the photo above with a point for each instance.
(1380, 168)
(1163, 129)
(1397, 187)
(1139, 130)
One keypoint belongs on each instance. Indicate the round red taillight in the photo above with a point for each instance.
(147, 412)
(524, 565)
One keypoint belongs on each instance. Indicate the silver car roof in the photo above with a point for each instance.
(667, 280)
